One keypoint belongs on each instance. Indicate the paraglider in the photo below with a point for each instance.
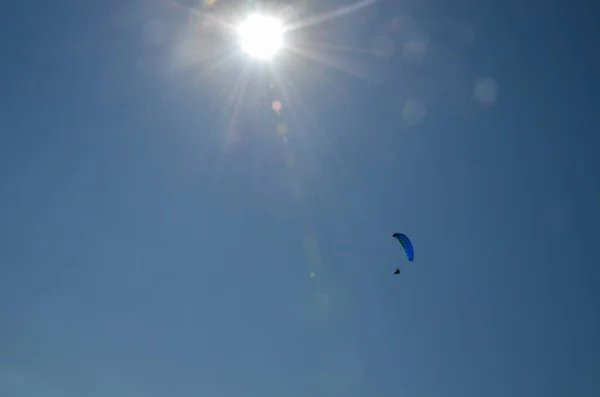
(406, 245)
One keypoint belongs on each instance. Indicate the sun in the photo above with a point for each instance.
(261, 36)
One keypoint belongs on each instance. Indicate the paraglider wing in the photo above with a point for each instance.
(406, 244)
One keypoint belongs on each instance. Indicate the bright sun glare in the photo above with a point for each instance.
(261, 36)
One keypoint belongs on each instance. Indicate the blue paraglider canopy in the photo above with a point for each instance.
(406, 244)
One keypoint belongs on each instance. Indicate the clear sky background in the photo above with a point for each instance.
(163, 232)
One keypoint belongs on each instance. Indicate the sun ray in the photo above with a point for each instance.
(200, 13)
(335, 47)
(288, 86)
(324, 61)
(331, 15)
(239, 91)
(295, 93)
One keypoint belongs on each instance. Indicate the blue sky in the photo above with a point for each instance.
(159, 237)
